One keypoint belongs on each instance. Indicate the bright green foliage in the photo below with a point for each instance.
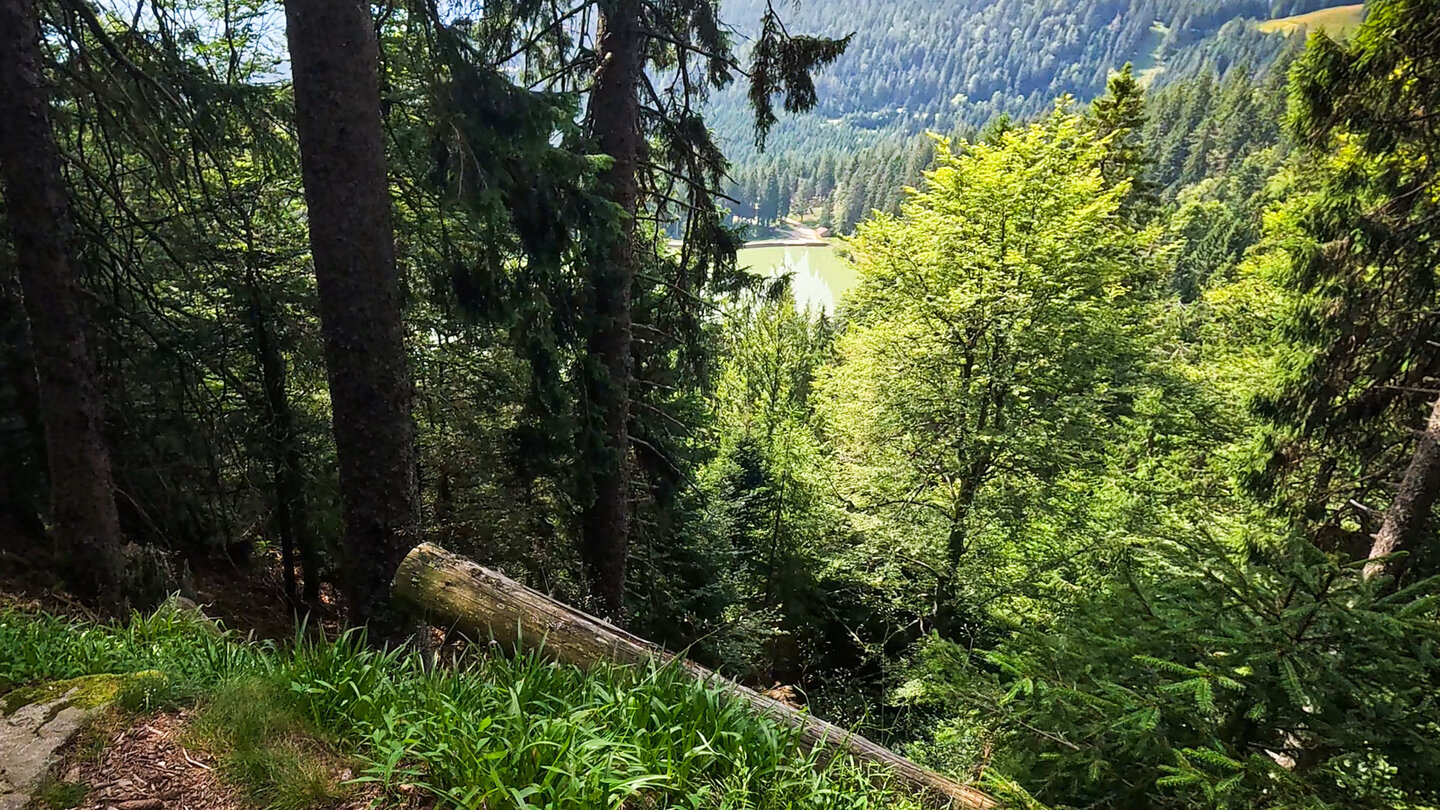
(1000, 334)
(1196, 678)
(524, 733)
(1234, 656)
(1201, 679)
(37, 648)
(772, 352)
(762, 501)
(747, 584)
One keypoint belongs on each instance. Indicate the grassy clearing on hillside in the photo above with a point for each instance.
(1338, 21)
(485, 731)
(1147, 63)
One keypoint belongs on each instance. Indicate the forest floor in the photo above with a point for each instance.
(246, 597)
(139, 765)
(149, 760)
(158, 761)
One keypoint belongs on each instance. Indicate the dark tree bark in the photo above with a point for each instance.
(82, 499)
(335, 64)
(25, 451)
(614, 118)
(287, 473)
(1408, 515)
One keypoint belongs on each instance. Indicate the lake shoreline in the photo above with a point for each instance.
(764, 243)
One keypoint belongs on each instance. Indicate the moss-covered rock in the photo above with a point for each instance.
(37, 721)
(87, 691)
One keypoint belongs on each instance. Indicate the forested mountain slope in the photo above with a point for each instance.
(927, 64)
(1194, 127)
(913, 67)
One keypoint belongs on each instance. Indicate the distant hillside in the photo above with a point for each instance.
(951, 66)
(917, 64)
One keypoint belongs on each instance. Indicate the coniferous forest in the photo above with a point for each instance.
(1111, 482)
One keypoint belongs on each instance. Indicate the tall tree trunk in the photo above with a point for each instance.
(614, 115)
(288, 476)
(82, 498)
(1406, 519)
(334, 59)
(24, 484)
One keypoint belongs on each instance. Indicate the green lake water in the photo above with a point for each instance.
(820, 277)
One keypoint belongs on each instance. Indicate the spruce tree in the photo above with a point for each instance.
(626, 111)
(1120, 116)
(82, 498)
(335, 60)
(1367, 266)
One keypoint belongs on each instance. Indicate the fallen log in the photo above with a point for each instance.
(453, 592)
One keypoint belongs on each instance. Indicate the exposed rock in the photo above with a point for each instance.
(183, 607)
(36, 722)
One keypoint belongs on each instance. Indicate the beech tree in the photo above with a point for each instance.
(999, 329)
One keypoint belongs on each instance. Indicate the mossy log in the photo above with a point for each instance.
(453, 592)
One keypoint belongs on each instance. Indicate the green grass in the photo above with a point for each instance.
(1337, 21)
(1147, 63)
(255, 730)
(57, 794)
(484, 731)
(36, 648)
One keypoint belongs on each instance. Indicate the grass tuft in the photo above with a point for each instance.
(57, 794)
(264, 745)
